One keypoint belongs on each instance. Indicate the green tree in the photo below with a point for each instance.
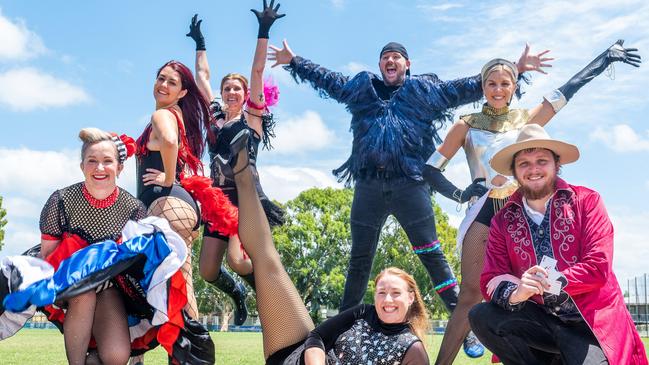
(3, 223)
(315, 244)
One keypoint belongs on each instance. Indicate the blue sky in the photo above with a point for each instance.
(68, 65)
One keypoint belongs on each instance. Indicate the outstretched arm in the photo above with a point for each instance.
(202, 68)
(328, 83)
(440, 96)
(432, 96)
(256, 104)
(557, 99)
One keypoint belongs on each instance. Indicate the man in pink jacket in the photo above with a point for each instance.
(547, 278)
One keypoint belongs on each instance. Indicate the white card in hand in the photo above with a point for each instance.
(548, 263)
(555, 287)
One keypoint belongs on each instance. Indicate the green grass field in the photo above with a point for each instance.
(45, 347)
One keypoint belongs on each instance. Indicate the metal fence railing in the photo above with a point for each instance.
(636, 298)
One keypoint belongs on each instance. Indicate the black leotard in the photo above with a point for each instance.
(153, 159)
(149, 193)
(221, 146)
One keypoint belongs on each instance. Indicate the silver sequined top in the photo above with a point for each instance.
(361, 344)
(483, 140)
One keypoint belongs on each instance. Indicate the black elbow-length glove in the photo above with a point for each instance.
(436, 179)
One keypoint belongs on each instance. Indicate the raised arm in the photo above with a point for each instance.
(202, 68)
(557, 99)
(256, 104)
(438, 96)
(327, 83)
(432, 97)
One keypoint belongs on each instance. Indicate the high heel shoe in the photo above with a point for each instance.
(226, 169)
(237, 144)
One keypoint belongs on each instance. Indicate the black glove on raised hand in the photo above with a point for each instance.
(195, 33)
(614, 53)
(434, 177)
(266, 18)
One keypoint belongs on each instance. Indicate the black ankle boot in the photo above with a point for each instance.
(237, 291)
(250, 279)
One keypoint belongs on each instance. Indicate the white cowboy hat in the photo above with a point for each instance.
(532, 136)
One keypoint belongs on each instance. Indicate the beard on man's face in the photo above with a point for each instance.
(539, 193)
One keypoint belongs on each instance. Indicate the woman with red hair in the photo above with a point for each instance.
(170, 146)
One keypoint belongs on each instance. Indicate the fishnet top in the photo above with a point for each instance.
(68, 211)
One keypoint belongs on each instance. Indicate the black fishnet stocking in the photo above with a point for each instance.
(182, 219)
(284, 319)
(110, 329)
(77, 327)
(473, 250)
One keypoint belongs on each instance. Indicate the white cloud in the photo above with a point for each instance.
(621, 138)
(454, 218)
(306, 132)
(21, 207)
(438, 13)
(27, 89)
(17, 42)
(631, 244)
(285, 183)
(37, 174)
(20, 237)
(439, 7)
(353, 68)
(338, 4)
(573, 45)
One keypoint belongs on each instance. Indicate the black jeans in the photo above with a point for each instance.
(409, 202)
(532, 336)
